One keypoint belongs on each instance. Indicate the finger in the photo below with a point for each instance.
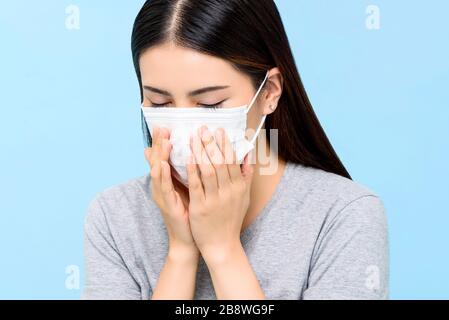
(164, 143)
(230, 156)
(164, 133)
(226, 152)
(180, 188)
(196, 192)
(162, 146)
(166, 148)
(156, 146)
(155, 134)
(216, 157)
(207, 171)
(155, 174)
(166, 183)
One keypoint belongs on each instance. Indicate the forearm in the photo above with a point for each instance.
(178, 276)
(233, 276)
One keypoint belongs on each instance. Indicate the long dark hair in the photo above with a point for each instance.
(251, 36)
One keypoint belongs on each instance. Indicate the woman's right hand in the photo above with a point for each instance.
(171, 202)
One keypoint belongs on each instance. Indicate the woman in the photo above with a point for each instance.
(284, 221)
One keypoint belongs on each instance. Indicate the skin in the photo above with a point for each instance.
(223, 197)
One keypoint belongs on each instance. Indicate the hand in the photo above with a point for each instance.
(172, 202)
(219, 192)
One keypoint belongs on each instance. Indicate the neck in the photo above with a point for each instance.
(268, 171)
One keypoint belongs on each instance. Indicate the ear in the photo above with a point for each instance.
(273, 91)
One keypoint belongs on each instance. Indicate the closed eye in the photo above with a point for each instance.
(211, 106)
(158, 105)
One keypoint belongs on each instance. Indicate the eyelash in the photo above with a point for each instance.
(211, 106)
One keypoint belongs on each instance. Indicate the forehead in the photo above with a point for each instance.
(171, 66)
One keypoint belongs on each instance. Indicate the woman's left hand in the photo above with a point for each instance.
(219, 190)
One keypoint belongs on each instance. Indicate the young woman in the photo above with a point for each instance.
(225, 222)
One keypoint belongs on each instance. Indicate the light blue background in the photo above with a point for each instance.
(70, 126)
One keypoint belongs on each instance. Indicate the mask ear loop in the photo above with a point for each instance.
(257, 93)
(256, 134)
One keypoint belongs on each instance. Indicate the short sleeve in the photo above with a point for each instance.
(106, 275)
(351, 256)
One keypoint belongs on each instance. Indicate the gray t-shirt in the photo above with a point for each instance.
(321, 236)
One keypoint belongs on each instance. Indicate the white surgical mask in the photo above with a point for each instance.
(183, 122)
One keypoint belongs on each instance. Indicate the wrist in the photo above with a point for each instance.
(223, 254)
(183, 254)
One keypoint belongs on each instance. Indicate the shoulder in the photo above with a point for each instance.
(328, 183)
(120, 206)
(327, 186)
(331, 197)
(350, 255)
(132, 190)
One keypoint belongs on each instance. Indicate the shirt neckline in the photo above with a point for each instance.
(246, 235)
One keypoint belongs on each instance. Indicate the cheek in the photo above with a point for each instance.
(252, 119)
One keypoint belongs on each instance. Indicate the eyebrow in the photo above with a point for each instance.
(190, 94)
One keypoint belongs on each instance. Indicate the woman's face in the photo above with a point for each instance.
(173, 76)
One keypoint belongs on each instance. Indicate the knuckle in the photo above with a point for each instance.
(220, 166)
(240, 186)
(195, 185)
(226, 194)
(202, 212)
(208, 172)
(155, 173)
(210, 203)
(165, 190)
(196, 211)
